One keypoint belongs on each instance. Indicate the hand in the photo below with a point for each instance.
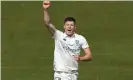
(46, 4)
(76, 57)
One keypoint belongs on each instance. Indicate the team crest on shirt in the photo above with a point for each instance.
(77, 42)
(64, 39)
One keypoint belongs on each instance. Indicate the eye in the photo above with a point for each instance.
(72, 25)
(67, 24)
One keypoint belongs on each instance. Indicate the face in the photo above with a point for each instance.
(69, 28)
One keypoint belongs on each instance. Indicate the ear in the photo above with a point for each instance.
(64, 26)
(75, 26)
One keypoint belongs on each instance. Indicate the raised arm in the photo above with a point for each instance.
(49, 25)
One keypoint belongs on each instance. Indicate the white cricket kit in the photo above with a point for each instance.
(65, 48)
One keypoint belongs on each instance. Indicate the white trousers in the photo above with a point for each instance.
(60, 75)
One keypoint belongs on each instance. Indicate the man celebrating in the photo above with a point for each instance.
(68, 45)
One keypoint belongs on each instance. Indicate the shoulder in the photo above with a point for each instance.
(58, 31)
(79, 36)
(57, 34)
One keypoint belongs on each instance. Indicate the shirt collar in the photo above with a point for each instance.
(65, 35)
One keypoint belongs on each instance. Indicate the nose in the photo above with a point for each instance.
(69, 26)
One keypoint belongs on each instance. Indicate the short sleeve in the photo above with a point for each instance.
(57, 34)
(84, 43)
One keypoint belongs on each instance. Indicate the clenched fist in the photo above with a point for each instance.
(46, 4)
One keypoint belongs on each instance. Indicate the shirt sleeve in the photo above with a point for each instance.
(57, 34)
(84, 43)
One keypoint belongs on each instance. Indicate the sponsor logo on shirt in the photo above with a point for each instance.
(68, 49)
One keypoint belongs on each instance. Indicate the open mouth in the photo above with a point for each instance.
(69, 30)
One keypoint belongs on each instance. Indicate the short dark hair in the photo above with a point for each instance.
(70, 19)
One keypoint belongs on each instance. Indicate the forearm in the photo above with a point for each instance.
(85, 58)
(47, 22)
(46, 17)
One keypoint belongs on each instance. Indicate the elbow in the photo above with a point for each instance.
(89, 58)
(46, 22)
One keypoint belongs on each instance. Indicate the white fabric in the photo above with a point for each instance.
(65, 76)
(65, 48)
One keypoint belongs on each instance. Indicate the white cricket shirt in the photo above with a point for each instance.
(65, 48)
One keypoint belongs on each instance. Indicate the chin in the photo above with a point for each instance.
(69, 34)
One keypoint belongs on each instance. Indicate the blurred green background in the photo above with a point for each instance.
(27, 46)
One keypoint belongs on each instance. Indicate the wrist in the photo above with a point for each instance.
(46, 9)
(79, 58)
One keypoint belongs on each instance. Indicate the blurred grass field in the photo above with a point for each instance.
(27, 47)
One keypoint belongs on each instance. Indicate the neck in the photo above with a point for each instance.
(70, 35)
